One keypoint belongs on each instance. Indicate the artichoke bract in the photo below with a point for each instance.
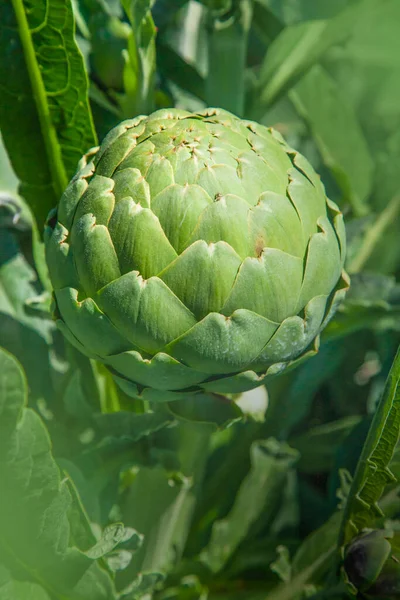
(195, 252)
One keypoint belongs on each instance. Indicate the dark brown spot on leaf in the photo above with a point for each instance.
(260, 245)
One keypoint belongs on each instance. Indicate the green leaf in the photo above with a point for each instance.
(259, 496)
(24, 334)
(44, 94)
(108, 40)
(158, 518)
(319, 445)
(375, 234)
(10, 589)
(127, 426)
(372, 473)
(266, 23)
(175, 68)
(189, 588)
(281, 565)
(311, 561)
(343, 147)
(291, 54)
(140, 60)
(119, 440)
(164, 11)
(35, 503)
(284, 409)
(111, 537)
(8, 179)
(373, 303)
(296, 50)
(295, 11)
(228, 31)
(319, 542)
(75, 400)
(142, 585)
(219, 411)
(14, 213)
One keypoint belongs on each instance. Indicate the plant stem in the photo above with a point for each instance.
(374, 234)
(339, 591)
(293, 588)
(227, 49)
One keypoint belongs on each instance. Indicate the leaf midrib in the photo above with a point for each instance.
(52, 146)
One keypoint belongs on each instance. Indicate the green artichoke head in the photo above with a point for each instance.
(372, 564)
(195, 252)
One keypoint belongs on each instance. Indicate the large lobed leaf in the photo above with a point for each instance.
(36, 503)
(44, 114)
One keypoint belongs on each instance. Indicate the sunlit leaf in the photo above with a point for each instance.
(35, 502)
(44, 95)
(373, 472)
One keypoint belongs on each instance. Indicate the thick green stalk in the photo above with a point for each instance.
(374, 234)
(227, 50)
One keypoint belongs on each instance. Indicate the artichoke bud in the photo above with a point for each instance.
(195, 253)
(372, 564)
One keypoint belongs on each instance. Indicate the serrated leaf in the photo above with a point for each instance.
(35, 501)
(373, 469)
(259, 495)
(43, 69)
(110, 538)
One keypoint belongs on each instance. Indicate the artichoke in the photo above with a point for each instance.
(195, 252)
(372, 565)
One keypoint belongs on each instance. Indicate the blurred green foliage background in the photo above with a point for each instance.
(225, 504)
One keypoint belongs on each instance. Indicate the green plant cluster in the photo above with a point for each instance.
(125, 473)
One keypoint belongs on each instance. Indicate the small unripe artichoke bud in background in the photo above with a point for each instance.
(372, 564)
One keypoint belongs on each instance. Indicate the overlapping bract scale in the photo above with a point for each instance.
(195, 252)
